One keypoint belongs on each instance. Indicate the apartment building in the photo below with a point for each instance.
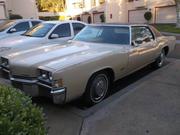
(132, 11)
(90, 11)
(2, 9)
(25, 8)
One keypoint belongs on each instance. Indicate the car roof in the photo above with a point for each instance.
(118, 24)
(68, 21)
(22, 20)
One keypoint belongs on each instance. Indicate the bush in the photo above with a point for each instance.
(14, 16)
(49, 18)
(18, 116)
(102, 17)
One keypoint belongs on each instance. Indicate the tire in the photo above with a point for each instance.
(97, 88)
(160, 60)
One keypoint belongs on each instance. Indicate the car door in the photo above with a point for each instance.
(61, 33)
(19, 28)
(143, 49)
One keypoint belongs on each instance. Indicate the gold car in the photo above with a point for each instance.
(87, 66)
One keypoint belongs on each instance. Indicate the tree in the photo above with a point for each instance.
(178, 12)
(51, 5)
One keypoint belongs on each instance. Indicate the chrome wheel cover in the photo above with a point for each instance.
(99, 88)
(161, 59)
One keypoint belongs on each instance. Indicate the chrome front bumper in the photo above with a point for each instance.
(58, 94)
(35, 88)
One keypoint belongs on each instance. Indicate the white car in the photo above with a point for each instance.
(41, 35)
(1, 21)
(10, 28)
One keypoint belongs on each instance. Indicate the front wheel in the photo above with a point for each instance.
(97, 88)
(160, 60)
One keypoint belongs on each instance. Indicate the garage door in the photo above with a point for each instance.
(137, 16)
(97, 17)
(2, 13)
(166, 15)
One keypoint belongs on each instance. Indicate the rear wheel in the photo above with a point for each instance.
(160, 60)
(97, 88)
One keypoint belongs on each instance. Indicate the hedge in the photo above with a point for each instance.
(18, 115)
(15, 16)
(49, 18)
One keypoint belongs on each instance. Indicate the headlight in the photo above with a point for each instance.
(4, 62)
(46, 75)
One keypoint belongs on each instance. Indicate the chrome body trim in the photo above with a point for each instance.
(23, 80)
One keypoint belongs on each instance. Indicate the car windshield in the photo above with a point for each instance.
(105, 34)
(6, 24)
(39, 30)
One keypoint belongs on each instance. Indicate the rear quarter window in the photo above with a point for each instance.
(155, 31)
(35, 23)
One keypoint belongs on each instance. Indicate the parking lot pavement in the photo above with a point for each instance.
(176, 52)
(152, 107)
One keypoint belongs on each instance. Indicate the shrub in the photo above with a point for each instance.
(102, 17)
(18, 116)
(15, 16)
(49, 18)
(148, 15)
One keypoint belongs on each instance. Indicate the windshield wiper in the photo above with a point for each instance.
(27, 35)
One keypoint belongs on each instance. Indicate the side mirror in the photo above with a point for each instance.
(12, 30)
(54, 36)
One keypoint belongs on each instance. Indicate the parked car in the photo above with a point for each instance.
(41, 35)
(16, 27)
(90, 63)
(1, 21)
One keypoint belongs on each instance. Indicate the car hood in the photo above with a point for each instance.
(20, 45)
(18, 40)
(3, 35)
(58, 57)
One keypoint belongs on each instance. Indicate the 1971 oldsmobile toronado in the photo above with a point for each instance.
(87, 66)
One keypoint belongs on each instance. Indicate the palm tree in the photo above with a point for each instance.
(178, 12)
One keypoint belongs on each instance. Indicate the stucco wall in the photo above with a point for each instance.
(2, 10)
(25, 8)
(117, 10)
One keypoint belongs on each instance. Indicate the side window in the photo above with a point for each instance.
(141, 35)
(23, 26)
(77, 27)
(156, 32)
(35, 23)
(62, 30)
